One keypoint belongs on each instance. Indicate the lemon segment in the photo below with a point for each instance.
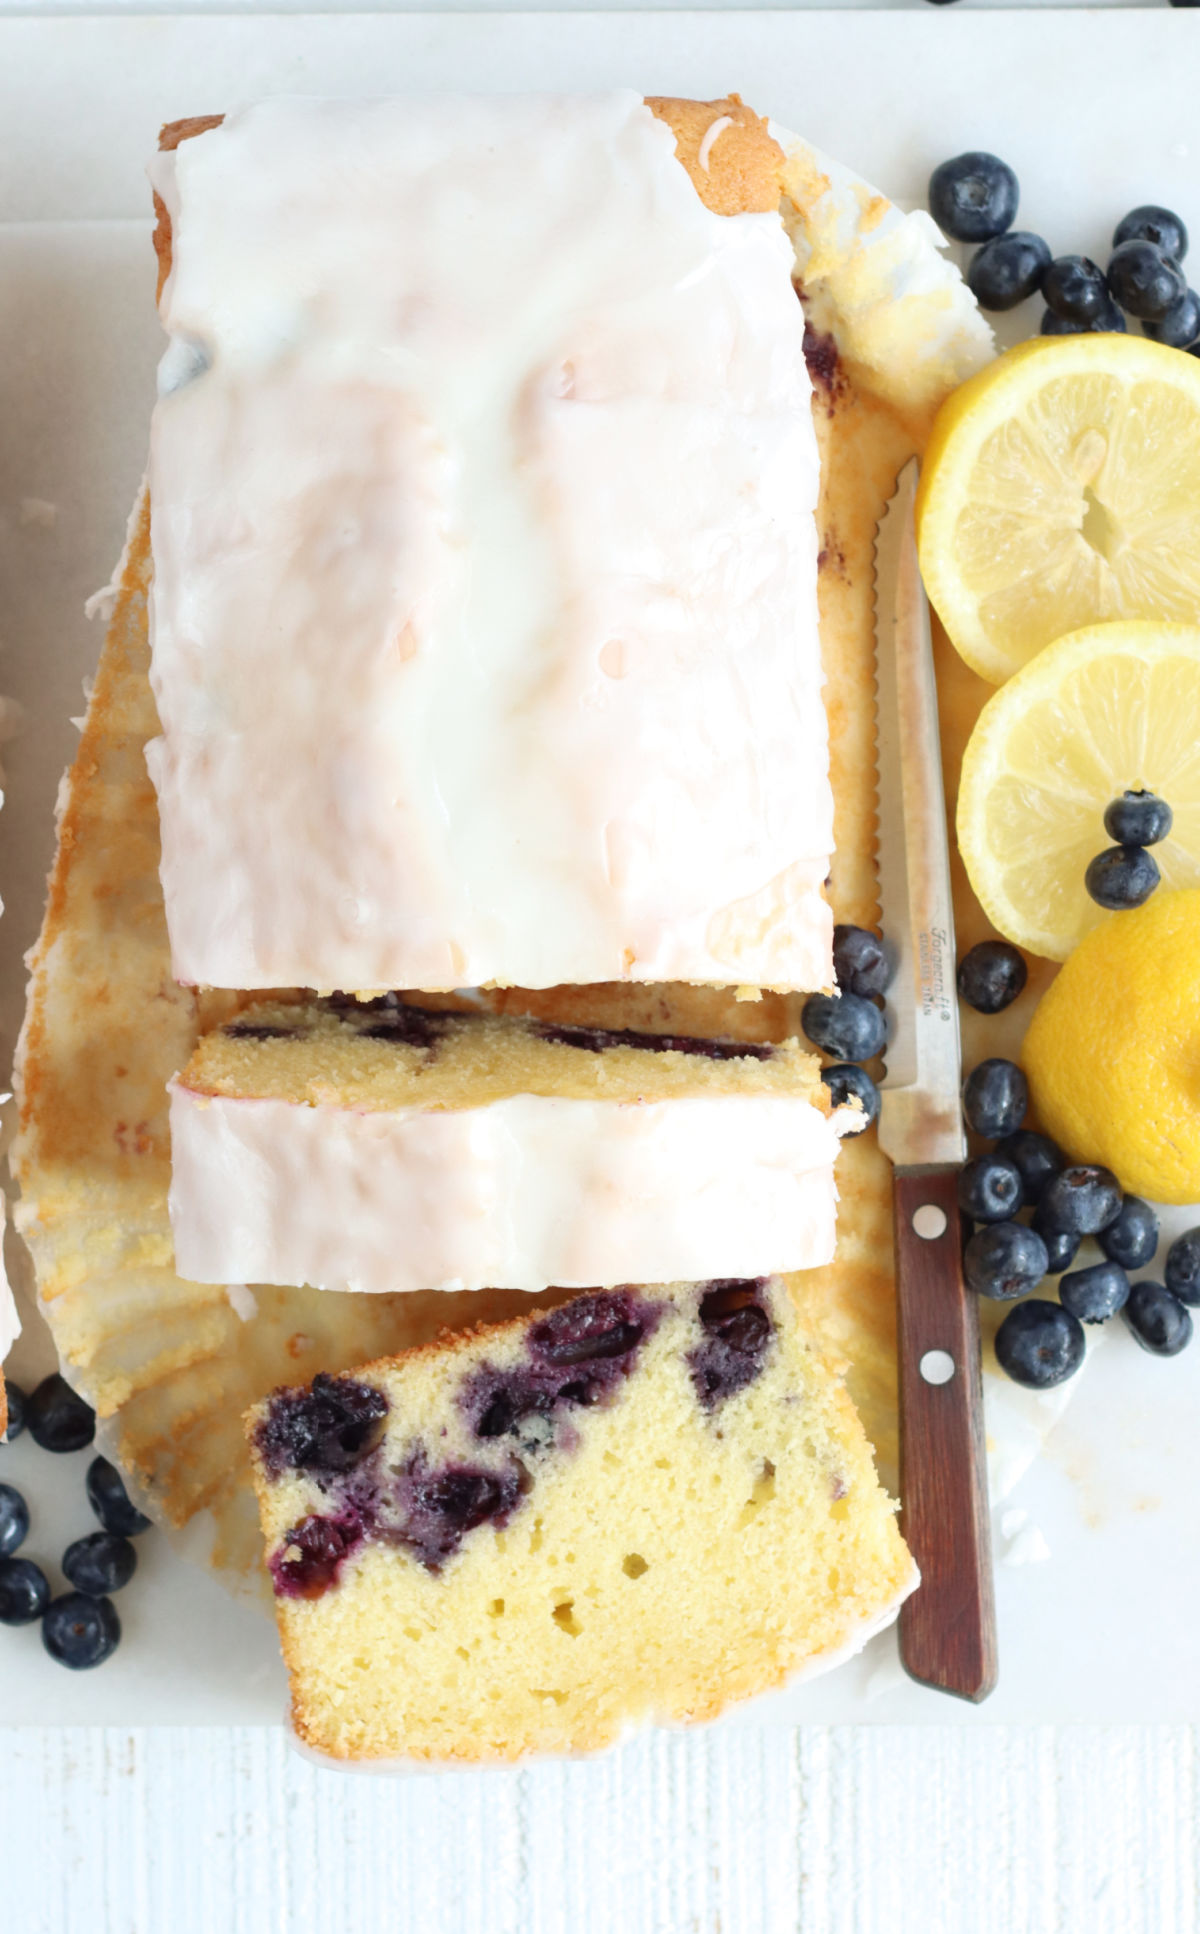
(1061, 487)
(1113, 1051)
(1108, 708)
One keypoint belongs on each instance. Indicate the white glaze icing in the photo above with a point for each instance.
(527, 1191)
(484, 613)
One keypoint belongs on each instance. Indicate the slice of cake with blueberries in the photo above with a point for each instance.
(644, 1504)
(380, 1146)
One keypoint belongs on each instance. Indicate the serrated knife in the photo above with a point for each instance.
(947, 1626)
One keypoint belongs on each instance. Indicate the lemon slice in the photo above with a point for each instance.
(1061, 487)
(1110, 707)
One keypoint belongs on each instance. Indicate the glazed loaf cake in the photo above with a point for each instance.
(484, 613)
(645, 1504)
(380, 1146)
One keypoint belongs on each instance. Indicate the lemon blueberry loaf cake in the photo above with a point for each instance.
(381, 1146)
(485, 631)
(171, 1364)
(526, 1538)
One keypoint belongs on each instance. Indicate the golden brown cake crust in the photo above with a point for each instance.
(170, 137)
(742, 174)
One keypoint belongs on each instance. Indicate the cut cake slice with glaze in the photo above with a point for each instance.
(646, 1503)
(378, 1146)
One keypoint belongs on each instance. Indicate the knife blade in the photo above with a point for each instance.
(947, 1627)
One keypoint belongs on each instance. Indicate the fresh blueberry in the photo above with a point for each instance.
(1038, 1159)
(991, 975)
(79, 1631)
(1095, 1293)
(14, 1520)
(1061, 1244)
(973, 197)
(1182, 1269)
(24, 1591)
(110, 1500)
(1122, 877)
(1040, 1344)
(1004, 1260)
(844, 1025)
(1138, 819)
(1158, 1320)
(995, 1097)
(59, 1419)
(844, 1082)
(1110, 322)
(1082, 1200)
(989, 1189)
(1132, 1239)
(1144, 281)
(99, 1563)
(17, 1403)
(1075, 289)
(859, 961)
(1151, 224)
(1179, 328)
(1008, 270)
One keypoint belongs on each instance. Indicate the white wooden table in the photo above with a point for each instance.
(854, 1830)
(936, 1829)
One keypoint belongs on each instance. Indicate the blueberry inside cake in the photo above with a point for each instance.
(647, 1502)
(379, 1146)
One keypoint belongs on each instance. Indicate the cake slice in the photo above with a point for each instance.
(485, 627)
(645, 1504)
(380, 1146)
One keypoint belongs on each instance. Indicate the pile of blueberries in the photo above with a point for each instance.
(850, 1025)
(80, 1628)
(1041, 1343)
(973, 199)
(1030, 1208)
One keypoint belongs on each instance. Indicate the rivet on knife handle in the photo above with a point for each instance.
(948, 1626)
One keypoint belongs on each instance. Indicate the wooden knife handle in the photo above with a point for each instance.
(948, 1626)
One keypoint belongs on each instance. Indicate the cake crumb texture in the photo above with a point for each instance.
(665, 1558)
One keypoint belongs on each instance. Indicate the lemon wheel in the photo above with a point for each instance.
(1110, 708)
(1061, 488)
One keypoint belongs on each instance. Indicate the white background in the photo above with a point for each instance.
(881, 1828)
